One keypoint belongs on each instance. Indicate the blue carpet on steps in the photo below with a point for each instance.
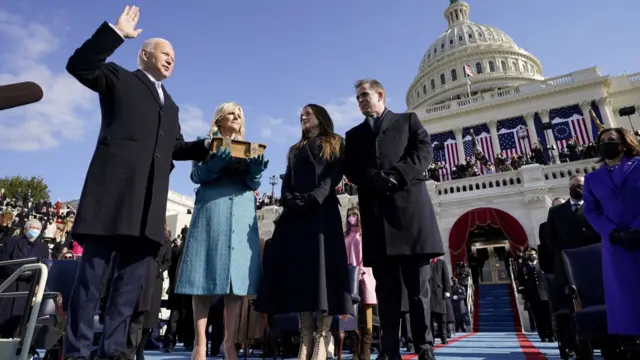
(494, 309)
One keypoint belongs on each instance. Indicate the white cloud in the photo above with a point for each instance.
(61, 114)
(344, 112)
(276, 129)
(192, 122)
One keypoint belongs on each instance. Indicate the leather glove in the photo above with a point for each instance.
(257, 165)
(384, 183)
(219, 160)
(627, 239)
(293, 202)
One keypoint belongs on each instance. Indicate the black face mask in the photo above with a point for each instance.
(575, 191)
(609, 149)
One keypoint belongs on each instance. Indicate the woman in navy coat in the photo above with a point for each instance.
(612, 206)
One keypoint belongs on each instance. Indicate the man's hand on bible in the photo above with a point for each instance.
(126, 24)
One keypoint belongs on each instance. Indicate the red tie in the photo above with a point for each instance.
(433, 261)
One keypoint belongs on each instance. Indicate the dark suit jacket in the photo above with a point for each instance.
(566, 230)
(403, 223)
(125, 191)
(12, 309)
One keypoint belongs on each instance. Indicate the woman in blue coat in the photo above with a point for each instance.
(611, 204)
(222, 251)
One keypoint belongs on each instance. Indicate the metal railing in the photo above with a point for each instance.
(35, 295)
(470, 298)
(519, 302)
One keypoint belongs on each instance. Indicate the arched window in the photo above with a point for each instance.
(433, 84)
(478, 68)
(442, 79)
(454, 75)
(514, 66)
(424, 89)
(503, 65)
(492, 66)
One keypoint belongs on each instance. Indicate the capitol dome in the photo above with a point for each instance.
(495, 59)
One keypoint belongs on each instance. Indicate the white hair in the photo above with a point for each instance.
(33, 223)
(149, 46)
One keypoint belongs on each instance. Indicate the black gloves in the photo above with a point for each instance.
(628, 239)
(299, 202)
(384, 182)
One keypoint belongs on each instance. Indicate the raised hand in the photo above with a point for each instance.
(257, 165)
(127, 22)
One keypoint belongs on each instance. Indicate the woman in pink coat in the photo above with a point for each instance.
(353, 240)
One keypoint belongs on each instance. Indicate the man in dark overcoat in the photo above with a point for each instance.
(29, 244)
(124, 198)
(386, 157)
(440, 291)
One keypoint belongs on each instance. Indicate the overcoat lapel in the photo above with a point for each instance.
(387, 119)
(627, 166)
(150, 86)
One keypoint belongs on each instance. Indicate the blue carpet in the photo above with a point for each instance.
(479, 346)
(494, 309)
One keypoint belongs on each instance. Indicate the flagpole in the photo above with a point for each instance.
(468, 86)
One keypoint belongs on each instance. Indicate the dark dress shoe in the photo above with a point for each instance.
(427, 354)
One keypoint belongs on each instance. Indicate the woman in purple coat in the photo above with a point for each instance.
(612, 206)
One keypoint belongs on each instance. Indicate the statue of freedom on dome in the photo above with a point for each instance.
(451, 2)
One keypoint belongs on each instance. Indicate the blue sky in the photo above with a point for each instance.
(272, 57)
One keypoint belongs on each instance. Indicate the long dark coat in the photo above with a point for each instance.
(11, 309)
(151, 298)
(175, 301)
(440, 284)
(403, 223)
(125, 191)
(305, 266)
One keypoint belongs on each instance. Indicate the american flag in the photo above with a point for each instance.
(486, 146)
(510, 143)
(568, 123)
(468, 71)
(450, 153)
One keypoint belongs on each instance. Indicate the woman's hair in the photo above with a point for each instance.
(627, 140)
(67, 254)
(353, 211)
(331, 143)
(224, 109)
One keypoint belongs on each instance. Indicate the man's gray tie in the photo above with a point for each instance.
(375, 123)
(160, 93)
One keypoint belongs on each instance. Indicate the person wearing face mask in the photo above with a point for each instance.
(353, 240)
(534, 293)
(29, 244)
(612, 205)
(567, 228)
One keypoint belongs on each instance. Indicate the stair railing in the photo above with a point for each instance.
(470, 294)
(519, 300)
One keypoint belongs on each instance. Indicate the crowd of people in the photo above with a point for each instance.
(479, 165)
(392, 245)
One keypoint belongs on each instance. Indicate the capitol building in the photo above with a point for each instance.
(475, 80)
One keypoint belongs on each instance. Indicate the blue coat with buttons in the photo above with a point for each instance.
(222, 252)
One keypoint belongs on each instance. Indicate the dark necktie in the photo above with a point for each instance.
(576, 207)
(375, 123)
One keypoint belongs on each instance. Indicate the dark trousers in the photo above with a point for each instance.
(540, 310)
(415, 273)
(129, 266)
(137, 340)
